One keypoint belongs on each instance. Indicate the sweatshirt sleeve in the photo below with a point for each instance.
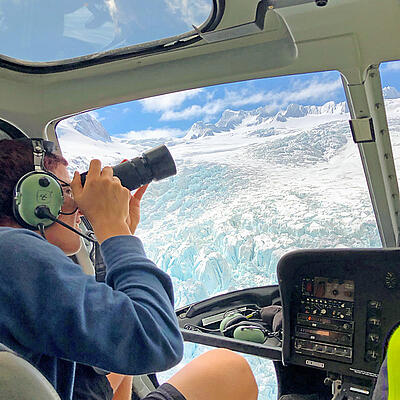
(127, 325)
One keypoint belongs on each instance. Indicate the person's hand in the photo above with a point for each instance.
(134, 209)
(103, 200)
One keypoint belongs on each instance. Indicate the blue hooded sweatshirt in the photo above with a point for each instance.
(54, 315)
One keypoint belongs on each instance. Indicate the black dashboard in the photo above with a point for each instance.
(339, 307)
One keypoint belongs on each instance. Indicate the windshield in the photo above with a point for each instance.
(57, 30)
(270, 174)
(390, 75)
(264, 167)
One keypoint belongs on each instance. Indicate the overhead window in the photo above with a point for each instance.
(56, 30)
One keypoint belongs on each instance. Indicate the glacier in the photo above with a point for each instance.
(249, 188)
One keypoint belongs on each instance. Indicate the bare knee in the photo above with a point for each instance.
(236, 369)
(228, 360)
(217, 374)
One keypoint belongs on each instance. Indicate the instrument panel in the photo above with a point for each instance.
(340, 307)
(325, 319)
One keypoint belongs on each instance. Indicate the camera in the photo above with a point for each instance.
(321, 3)
(154, 165)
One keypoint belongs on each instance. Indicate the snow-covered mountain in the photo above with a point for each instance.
(85, 124)
(389, 92)
(256, 188)
(200, 129)
(264, 120)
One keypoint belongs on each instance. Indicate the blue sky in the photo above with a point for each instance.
(173, 114)
(178, 111)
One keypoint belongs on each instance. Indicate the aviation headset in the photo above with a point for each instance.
(257, 326)
(38, 195)
(268, 323)
(37, 190)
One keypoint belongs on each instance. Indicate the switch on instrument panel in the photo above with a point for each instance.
(373, 338)
(373, 331)
(374, 323)
(374, 305)
(371, 355)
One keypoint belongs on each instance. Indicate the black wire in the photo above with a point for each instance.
(200, 328)
(44, 212)
(73, 212)
(41, 230)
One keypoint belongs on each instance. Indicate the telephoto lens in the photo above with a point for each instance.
(154, 165)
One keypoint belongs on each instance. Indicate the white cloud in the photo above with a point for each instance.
(152, 134)
(312, 90)
(391, 66)
(169, 101)
(192, 12)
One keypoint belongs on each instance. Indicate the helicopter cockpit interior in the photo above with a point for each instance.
(327, 322)
(332, 337)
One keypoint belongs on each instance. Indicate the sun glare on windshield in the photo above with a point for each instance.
(57, 30)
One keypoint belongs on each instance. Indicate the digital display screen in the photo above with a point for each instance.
(327, 288)
(322, 333)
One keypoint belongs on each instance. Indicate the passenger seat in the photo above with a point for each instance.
(19, 380)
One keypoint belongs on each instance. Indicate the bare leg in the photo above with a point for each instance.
(216, 375)
(121, 385)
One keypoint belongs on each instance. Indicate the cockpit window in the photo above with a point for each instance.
(264, 167)
(57, 30)
(390, 76)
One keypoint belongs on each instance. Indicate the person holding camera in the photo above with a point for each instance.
(55, 316)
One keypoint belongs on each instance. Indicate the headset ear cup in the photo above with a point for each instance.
(277, 321)
(229, 321)
(250, 332)
(268, 314)
(33, 190)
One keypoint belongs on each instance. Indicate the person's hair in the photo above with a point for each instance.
(16, 160)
